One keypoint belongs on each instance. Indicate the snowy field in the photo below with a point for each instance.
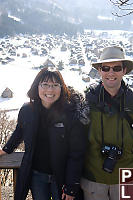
(19, 74)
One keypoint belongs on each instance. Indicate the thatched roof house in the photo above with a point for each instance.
(7, 93)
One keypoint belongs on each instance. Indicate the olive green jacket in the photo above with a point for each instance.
(112, 128)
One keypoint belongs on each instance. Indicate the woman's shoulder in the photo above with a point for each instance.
(75, 96)
(76, 99)
(26, 106)
(92, 90)
(26, 109)
(25, 112)
(77, 106)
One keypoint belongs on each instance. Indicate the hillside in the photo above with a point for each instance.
(58, 17)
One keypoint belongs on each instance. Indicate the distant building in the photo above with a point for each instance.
(48, 63)
(63, 47)
(73, 61)
(7, 93)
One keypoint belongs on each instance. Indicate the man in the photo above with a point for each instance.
(110, 136)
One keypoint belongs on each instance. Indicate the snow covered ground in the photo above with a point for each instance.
(19, 74)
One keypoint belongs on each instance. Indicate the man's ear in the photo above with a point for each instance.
(125, 70)
(99, 70)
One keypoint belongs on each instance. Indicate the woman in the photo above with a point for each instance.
(54, 140)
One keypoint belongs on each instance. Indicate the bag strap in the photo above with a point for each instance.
(128, 118)
(124, 113)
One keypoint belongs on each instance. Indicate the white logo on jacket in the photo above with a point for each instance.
(59, 125)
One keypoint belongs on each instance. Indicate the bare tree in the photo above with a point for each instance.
(125, 7)
(6, 127)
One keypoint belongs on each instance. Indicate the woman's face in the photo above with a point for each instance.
(49, 92)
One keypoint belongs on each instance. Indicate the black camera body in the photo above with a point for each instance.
(113, 153)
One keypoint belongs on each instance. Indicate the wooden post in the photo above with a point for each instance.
(0, 186)
(14, 178)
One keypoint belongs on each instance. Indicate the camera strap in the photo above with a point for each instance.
(129, 119)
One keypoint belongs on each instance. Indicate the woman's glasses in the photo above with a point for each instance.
(116, 68)
(54, 86)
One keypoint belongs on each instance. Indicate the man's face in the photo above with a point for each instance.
(112, 74)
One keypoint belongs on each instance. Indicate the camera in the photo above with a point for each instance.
(113, 153)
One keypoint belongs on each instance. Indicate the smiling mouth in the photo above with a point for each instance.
(111, 79)
(49, 95)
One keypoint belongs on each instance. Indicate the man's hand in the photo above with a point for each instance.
(67, 197)
(2, 152)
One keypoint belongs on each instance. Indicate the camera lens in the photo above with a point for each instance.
(109, 164)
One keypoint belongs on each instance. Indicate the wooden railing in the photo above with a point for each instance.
(11, 161)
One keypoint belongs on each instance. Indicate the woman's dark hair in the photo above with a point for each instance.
(45, 75)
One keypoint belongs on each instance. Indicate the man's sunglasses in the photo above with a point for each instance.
(116, 68)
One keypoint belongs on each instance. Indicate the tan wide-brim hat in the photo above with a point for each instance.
(113, 54)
